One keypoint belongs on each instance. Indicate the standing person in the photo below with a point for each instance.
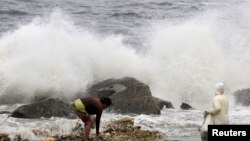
(219, 111)
(86, 107)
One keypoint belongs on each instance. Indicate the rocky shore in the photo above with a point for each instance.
(118, 130)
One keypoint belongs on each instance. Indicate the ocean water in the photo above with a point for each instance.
(180, 48)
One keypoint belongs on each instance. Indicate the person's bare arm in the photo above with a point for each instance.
(98, 118)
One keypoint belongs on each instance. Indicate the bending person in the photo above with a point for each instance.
(86, 107)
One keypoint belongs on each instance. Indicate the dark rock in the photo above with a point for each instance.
(52, 107)
(128, 95)
(108, 87)
(242, 97)
(185, 106)
(161, 103)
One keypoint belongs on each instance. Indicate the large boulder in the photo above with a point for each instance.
(128, 95)
(52, 107)
(242, 97)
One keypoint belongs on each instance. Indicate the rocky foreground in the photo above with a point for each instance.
(118, 130)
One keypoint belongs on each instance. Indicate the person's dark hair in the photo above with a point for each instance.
(106, 100)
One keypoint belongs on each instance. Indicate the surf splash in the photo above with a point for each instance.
(53, 56)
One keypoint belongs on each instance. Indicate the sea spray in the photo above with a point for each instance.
(53, 56)
(57, 56)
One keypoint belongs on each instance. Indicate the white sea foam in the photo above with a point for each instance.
(182, 63)
(172, 123)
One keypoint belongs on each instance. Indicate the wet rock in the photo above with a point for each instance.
(242, 97)
(128, 95)
(52, 107)
(162, 103)
(185, 106)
